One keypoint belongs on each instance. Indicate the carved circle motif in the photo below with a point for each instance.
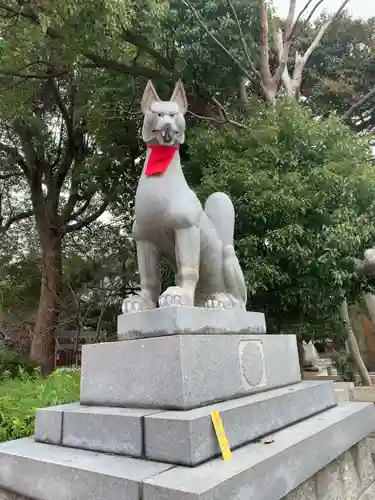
(252, 363)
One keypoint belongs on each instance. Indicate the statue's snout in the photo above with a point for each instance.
(167, 132)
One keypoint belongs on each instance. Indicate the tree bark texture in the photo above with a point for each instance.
(42, 351)
(353, 345)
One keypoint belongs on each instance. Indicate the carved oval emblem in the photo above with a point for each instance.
(252, 363)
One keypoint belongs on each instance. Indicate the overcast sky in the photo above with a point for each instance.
(359, 8)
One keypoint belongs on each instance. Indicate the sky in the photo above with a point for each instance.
(358, 8)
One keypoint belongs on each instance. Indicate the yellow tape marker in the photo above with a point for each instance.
(221, 435)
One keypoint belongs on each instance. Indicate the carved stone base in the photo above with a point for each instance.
(304, 453)
(181, 437)
(186, 371)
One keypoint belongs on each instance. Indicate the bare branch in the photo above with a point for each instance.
(294, 34)
(303, 10)
(89, 219)
(316, 41)
(215, 39)
(80, 210)
(35, 76)
(142, 43)
(264, 46)
(63, 109)
(15, 154)
(242, 38)
(4, 177)
(323, 28)
(16, 218)
(290, 18)
(301, 60)
(365, 99)
(215, 120)
(118, 67)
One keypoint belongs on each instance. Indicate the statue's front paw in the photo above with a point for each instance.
(176, 296)
(137, 303)
(224, 301)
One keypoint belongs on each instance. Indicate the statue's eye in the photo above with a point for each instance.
(160, 114)
(172, 114)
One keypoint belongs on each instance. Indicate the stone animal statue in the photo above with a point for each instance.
(170, 221)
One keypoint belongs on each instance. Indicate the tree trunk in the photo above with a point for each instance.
(43, 343)
(369, 299)
(301, 356)
(353, 345)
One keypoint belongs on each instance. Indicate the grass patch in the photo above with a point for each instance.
(20, 397)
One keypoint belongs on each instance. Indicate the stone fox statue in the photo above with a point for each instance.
(170, 220)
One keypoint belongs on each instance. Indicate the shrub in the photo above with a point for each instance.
(304, 192)
(20, 397)
(13, 364)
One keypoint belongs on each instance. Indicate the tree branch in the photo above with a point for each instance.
(370, 95)
(4, 177)
(99, 61)
(80, 210)
(89, 219)
(63, 109)
(242, 38)
(301, 60)
(142, 43)
(293, 32)
(215, 39)
(13, 152)
(118, 67)
(289, 20)
(35, 76)
(16, 218)
(224, 113)
(269, 83)
(264, 46)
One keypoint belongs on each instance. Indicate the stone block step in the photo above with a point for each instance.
(266, 470)
(188, 438)
(48, 472)
(271, 469)
(111, 430)
(180, 437)
(186, 371)
(172, 320)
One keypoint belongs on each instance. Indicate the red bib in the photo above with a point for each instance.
(159, 159)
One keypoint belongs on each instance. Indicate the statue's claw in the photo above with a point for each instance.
(224, 301)
(176, 296)
(137, 303)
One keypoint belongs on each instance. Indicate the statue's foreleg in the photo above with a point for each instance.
(187, 250)
(148, 266)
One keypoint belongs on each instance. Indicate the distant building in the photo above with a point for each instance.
(68, 348)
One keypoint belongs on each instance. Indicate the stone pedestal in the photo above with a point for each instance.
(186, 371)
(143, 428)
(173, 320)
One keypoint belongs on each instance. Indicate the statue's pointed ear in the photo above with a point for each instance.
(179, 96)
(149, 96)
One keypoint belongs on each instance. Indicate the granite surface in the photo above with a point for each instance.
(174, 320)
(186, 371)
(349, 477)
(48, 472)
(187, 437)
(272, 468)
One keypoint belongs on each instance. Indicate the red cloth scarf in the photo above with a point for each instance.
(159, 159)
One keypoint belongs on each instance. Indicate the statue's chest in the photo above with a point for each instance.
(155, 195)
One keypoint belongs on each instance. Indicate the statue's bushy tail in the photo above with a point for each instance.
(219, 209)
